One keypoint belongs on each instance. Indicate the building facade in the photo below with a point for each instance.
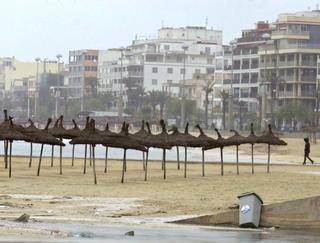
(83, 73)
(288, 63)
(160, 63)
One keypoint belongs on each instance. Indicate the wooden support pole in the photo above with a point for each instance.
(10, 157)
(94, 165)
(123, 164)
(202, 162)
(40, 158)
(146, 166)
(52, 154)
(30, 159)
(221, 155)
(85, 159)
(72, 161)
(106, 161)
(178, 158)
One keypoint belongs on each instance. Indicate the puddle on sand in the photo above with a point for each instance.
(164, 233)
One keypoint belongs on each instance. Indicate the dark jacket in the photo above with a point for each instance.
(306, 146)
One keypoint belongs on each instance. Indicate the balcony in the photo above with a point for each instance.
(309, 63)
(135, 74)
(286, 94)
(271, 48)
(308, 78)
(286, 64)
(308, 93)
(290, 34)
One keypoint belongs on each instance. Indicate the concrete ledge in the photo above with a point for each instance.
(295, 214)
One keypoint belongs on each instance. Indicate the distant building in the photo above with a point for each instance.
(83, 72)
(152, 63)
(238, 66)
(288, 63)
(12, 69)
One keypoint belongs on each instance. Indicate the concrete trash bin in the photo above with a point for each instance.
(249, 209)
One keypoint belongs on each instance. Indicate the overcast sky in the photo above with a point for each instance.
(44, 28)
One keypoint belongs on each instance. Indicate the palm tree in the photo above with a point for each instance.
(207, 89)
(155, 98)
(241, 104)
(224, 96)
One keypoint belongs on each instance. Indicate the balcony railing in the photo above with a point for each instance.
(308, 93)
(135, 74)
(308, 78)
(309, 63)
(290, 32)
(286, 93)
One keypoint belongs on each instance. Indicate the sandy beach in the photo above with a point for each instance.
(72, 197)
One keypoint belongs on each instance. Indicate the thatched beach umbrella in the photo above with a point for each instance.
(219, 143)
(147, 139)
(163, 137)
(158, 141)
(125, 141)
(186, 140)
(270, 139)
(106, 132)
(92, 137)
(38, 136)
(42, 137)
(176, 139)
(9, 133)
(237, 140)
(140, 135)
(68, 133)
(205, 141)
(251, 139)
(73, 132)
(57, 132)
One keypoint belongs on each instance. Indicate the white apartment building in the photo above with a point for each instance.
(158, 63)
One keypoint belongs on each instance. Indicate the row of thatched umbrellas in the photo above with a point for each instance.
(142, 141)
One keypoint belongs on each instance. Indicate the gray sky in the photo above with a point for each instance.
(43, 28)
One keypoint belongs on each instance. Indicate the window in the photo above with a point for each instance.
(182, 71)
(210, 70)
(290, 57)
(154, 70)
(166, 47)
(245, 78)
(207, 50)
(236, 78)
(197, 71)
(254, 63)
(254, 78)
(170, 70)
(154, 81)
(209, 61)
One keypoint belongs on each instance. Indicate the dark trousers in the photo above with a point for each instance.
(306, 156)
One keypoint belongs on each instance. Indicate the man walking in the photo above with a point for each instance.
(307, 151)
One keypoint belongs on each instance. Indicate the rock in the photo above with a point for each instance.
(86, 235)
(83, 235)
(24, 218)
(130, 233)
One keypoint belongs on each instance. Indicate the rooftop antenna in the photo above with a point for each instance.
(162, 24)
(206, 21)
